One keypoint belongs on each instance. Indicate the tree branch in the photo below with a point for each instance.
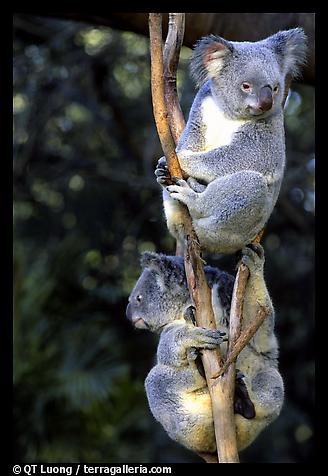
(158, 95)
(198, 287)
(244, 338)
(171, 55)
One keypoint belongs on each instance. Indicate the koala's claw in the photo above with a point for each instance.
(259, 250)
(253, 258)
(162, 162)
(206, 338)
(180, 182)
(161, 172)
(189, 315)
(163, 176)
(164, 181)
(239, 375)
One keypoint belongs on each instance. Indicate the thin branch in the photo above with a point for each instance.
(171, 55)
(244, 338)
(158, 95)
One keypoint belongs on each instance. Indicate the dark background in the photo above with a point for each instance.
(86, 204)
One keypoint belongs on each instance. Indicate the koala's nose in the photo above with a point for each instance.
(265, 99)
(128, 312)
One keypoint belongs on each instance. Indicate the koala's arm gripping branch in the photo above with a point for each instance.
(222, 403)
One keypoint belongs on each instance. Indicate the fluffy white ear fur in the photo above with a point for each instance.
(213, 58)
(290, 47)
(207, 57)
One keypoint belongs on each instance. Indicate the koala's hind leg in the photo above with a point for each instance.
(231, 211)
(174, 216)
(173, 209)
(266, 391)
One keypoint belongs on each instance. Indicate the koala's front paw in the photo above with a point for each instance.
(201, 338)
(253, 258)
(182, 191)
(163, 176)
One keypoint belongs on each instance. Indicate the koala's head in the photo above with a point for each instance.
(160, 295)
(248, 78)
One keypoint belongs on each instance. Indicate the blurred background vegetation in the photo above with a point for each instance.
(86, 205)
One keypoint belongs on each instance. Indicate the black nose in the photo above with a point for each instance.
(265, 99)
(128, 312)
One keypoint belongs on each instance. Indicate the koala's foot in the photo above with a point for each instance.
(162, 173)
(242, 403)
(253, 258)
(183, 192)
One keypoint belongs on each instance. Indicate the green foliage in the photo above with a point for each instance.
(85, 206)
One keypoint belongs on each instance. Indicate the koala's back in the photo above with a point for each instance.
(185, 415)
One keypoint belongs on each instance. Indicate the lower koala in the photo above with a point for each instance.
(176, 388)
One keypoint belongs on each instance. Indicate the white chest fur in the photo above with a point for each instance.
(219, 129)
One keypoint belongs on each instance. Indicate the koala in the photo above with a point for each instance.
(176, 388)
(233, 147)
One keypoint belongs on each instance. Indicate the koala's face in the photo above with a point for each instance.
(252, 84)
(248, 78)
(160, 295)
(146, 308)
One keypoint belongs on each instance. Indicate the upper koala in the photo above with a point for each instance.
(176, 388)
(233, 147)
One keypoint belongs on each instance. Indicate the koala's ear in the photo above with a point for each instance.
(290, 47)
(208, 57)
(169, 268)
(154, 261)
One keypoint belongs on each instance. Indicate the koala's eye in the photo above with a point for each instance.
(276, 89)
(139, 298)
(246, 87)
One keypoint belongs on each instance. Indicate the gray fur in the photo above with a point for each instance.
(177, 393)
(233, 148)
